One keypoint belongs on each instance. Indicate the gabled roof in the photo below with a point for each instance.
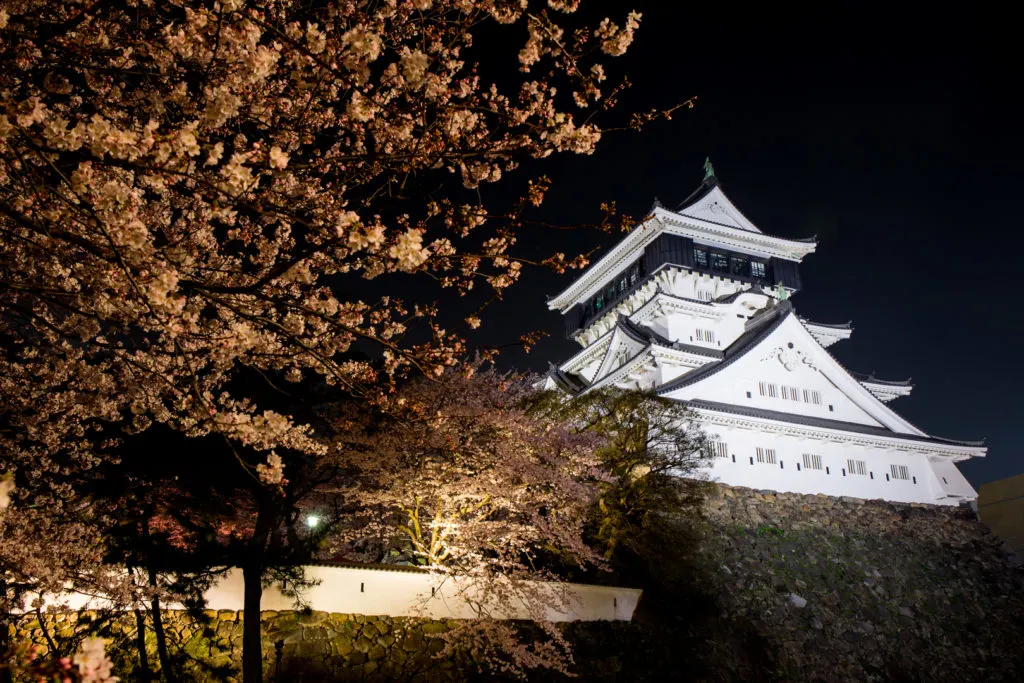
(758, 328)
(709, 203)
(764, 325)
(710, 217)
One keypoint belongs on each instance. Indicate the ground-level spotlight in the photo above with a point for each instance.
(312, 521)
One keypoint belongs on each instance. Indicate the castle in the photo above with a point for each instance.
(695, 305)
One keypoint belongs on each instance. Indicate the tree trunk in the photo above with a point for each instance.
(166, 670)
(253, 566)
(145, 673)
(5, 639)
(252, 638)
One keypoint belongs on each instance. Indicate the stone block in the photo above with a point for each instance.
(362, 644)
(342, 645)
(414, 642)
(435, 627)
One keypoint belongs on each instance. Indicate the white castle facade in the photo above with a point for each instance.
(694, 304)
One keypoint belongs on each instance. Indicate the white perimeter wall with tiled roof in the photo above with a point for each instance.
(384, 592)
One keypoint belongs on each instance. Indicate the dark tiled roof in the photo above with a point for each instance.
(759, 328)
(837, 326)
(871, 379)
(729, 298)
(377, 567)
(646, 335)
(639, 333)
(569, 382)
(822, 422)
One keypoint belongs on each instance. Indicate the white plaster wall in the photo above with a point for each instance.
(742, 444)
(762, 364)
(375, 592)
(948, 481)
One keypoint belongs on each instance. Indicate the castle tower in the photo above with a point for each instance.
(694, 304)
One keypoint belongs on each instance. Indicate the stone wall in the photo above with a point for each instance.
(785, 587)
(848, 589)
(297, 646)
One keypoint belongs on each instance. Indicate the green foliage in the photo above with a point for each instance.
(646, 442)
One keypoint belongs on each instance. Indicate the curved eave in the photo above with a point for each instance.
(568, 383)
(662, 221)
(769, 245)
(829, 326)
(617, 374)
(885, 392)
(827, 335)
(871, 379)
(951, 447)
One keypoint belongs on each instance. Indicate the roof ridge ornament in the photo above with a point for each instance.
(709, 170)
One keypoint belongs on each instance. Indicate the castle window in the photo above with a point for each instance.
(857, 467)
(758, 270)
(812, 461)
(720, 262)
(719, 449)
(700, 257)
(812, 396)
(705, 336)
(900, 472)
(794, 394)
(766, 455)
(740, 265)
(768, 389)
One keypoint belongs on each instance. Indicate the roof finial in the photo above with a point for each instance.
(709, 170)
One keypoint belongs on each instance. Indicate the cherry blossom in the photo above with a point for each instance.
(187, 187)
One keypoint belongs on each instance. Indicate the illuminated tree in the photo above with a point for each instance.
(186, 186)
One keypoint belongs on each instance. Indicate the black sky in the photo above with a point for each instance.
(895, 139)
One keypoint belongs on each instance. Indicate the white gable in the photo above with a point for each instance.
(789, 359)
(715, 207)
(621, 349)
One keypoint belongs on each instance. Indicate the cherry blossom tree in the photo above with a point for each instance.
(463, 480)
(186, 185)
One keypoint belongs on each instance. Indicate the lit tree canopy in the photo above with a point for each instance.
(187, 186)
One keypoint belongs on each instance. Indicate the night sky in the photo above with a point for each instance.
(895, 140)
